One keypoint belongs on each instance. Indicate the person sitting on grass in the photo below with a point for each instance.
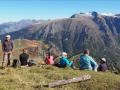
(103, 66)
(64, 61)
(87, 62)
(49, 59)
(24, 58)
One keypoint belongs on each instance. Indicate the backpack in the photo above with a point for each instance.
(15, 63)
(32, 63)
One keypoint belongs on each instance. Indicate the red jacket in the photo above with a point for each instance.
(49, 60)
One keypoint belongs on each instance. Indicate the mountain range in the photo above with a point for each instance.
(98, 32)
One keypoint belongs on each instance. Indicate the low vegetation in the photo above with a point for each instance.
(37, 78)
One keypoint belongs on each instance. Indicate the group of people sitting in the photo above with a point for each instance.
(85, 60)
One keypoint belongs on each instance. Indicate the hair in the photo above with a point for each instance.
(102, 62)
(86, 51)
(24, 50)
(49, 54)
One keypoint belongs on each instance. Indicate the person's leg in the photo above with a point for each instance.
(5, 56)
(9, 57)
(57, 65)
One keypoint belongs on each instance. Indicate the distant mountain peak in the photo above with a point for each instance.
(94, 14)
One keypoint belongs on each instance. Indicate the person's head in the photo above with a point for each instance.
(64, 54)
(103, 60)
(48, 54)
(86, 51)
(25, 51)
(8, 37)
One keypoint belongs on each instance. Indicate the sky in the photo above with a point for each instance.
(15, 10)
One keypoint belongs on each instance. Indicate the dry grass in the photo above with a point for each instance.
(37, 78)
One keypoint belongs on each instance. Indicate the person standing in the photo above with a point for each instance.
(7, 47)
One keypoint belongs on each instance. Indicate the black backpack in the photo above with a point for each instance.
(31, 63)
(15, 63)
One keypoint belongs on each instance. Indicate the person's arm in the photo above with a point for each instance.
(27, 56)
(12, 45)
(45, 60)
(94, 64)
(99, 68)
(20, 57)
(3, 46)
(68, 62)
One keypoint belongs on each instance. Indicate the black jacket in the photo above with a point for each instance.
(24, 58)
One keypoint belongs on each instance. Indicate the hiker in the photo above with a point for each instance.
(76, 63)
(24, 58)
(64, 61)
(7, 47)
(87, 62)
(49, 59)
(103, 66)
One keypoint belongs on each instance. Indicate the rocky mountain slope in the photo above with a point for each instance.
(98, 32)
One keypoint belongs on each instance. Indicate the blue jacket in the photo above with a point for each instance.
(65, 62)
(87, 62)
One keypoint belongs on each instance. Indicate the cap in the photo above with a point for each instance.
(64, 54)
(8, 36)
(103, 59)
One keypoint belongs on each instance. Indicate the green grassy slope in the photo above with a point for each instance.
(36, 78)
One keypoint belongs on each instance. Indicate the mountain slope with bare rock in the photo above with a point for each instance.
(98, 32)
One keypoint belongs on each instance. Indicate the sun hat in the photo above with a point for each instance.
(103, 59)
(64, 54)
(8, 36)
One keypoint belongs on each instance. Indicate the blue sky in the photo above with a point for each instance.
(14, 10)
